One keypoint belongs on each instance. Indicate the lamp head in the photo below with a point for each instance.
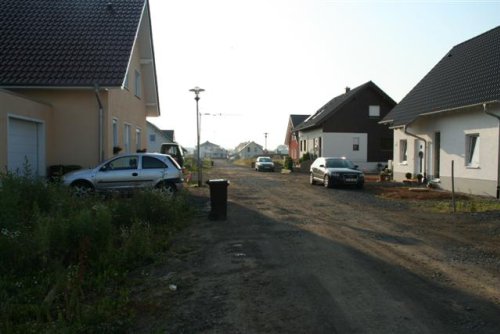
(197, 90)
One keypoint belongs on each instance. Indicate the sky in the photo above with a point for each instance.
(260, 61)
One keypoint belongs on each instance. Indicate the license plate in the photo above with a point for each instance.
(350, 180)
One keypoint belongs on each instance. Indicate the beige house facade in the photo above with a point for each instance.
(87, 117)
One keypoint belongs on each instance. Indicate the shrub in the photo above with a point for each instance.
(305, 157)
(288, 163)
(408, 176)
(64, 260)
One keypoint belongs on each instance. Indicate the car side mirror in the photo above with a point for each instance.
(356, 166)
(104, 168)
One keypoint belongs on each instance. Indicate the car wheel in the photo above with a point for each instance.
(311, 179)
(326, 182)
(168, 189)
(82, 188)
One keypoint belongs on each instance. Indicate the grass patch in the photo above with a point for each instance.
(474, 204)
(64, 261)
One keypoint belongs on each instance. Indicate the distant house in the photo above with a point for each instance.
(291, 139)
(212, 151)
(156, 137)
(348, 126)
(77, 81)
(452, 116)
(249, 150)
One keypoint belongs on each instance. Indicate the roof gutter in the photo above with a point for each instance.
(486, 111)
(101, 123)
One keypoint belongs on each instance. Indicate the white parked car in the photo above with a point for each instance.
(128, 172)
(264, 163)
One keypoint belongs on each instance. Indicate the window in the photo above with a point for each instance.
(248, 149)
(126, 138)
(374, 111)
(138, 88)
(403, 151)
(123, 163)
(115, 132)
(138, 140)
(152, 163)
(355, 144)
(152, 138)
(472, 153)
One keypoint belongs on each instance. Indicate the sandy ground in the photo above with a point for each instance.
(297, 258)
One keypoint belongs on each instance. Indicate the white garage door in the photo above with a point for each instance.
(24, 146)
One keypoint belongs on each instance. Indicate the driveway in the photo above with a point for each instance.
(296, 258)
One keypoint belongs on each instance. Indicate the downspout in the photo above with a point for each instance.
(101, 122)
(485, 109)
(425, 149)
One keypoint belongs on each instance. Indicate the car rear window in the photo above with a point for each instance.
(152, 163)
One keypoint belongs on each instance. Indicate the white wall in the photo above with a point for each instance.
(454, 127)
(336, 144)
(341, 145)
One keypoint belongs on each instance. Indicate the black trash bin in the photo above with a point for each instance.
(218, 199)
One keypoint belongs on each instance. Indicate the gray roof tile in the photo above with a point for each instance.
(66, 42)
(467, 75)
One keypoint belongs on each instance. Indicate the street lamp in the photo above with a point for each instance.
(197, 90)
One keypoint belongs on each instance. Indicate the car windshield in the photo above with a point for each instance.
(265, 160)
(339, 163)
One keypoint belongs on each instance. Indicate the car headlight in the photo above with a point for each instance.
(335, 174)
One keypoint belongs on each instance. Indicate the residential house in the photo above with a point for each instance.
(291, 139)
(348, 126)
(77, 81)
(212, 151)
(249, 149)
(156, 137)
(448, 124)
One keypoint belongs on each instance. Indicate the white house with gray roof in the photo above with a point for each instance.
(453, 116)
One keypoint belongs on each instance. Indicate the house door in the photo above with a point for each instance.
(437, 150)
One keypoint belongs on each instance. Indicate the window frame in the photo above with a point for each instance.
(127, 133)
(374, 111)
(355, 143)
(138, 84)
(472, 150)
(138, 138)
(114, 131)
(403, 153)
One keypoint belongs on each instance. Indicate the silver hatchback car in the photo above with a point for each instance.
(128, 172)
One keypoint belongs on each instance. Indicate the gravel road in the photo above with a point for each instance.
(296, 258)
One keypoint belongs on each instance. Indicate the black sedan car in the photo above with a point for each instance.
(333, 171)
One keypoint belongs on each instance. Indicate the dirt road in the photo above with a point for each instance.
(296, 258)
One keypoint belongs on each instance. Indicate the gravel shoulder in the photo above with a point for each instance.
(296, 258)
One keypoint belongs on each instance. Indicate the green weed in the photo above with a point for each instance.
(64, 261)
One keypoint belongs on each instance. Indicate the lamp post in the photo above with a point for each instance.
(197, 90)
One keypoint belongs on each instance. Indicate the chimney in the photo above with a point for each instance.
(347, 89)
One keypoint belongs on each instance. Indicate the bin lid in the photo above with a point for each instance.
(218, 181)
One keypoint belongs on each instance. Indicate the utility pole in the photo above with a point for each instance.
(265, 142)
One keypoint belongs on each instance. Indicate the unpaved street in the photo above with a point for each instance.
(296, 258)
